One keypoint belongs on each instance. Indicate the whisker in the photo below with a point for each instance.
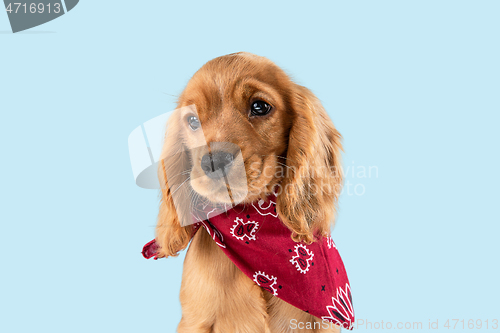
(188, 178)
(180, 174)
(278, 156)
(283, 164)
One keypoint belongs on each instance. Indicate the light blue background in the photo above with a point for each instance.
(412, 86)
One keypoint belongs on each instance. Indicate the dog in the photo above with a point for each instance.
(242, 112)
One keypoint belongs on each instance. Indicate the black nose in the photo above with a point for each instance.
(217, 165)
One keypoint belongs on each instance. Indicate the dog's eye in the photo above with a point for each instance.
(260, 108)
(193, 122)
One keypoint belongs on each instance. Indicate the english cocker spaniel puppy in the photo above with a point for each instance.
(251, 173)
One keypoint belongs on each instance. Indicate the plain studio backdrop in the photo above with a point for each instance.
(412, 86)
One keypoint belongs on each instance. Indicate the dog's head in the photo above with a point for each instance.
(242, 130)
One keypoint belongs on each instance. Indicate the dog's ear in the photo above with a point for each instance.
(173, 229)
(310, 189)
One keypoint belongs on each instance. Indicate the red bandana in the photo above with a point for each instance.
(310, 277)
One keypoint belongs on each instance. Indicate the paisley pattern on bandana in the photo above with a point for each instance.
(244, 230)
(266, 282)
(303, 258)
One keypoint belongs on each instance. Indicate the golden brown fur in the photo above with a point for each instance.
(295, 147)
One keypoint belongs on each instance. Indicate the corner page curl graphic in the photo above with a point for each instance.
(26, 15)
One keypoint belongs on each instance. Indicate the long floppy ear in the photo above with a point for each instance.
(173, 233)
(310, 189)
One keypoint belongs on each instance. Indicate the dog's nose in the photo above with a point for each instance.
(217, 165)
